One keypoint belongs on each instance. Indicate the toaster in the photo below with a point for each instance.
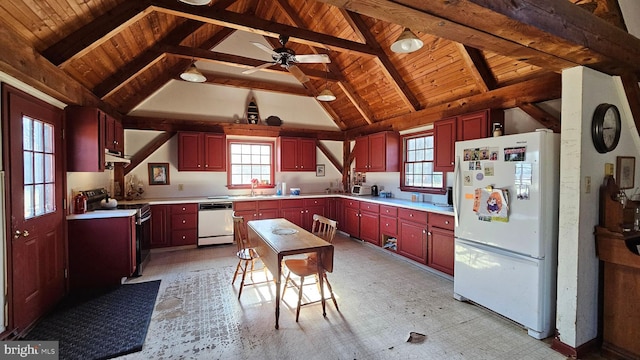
(360, 190)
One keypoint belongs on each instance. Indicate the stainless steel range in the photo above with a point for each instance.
(143, 224)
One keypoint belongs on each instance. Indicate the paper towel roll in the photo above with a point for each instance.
(284, 188)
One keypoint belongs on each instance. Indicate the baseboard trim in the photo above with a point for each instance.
(580, 352)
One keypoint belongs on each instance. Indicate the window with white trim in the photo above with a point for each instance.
(417, 172)
(250, 160)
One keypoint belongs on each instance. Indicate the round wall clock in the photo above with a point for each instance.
(605, 128)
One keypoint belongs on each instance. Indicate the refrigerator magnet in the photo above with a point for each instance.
(515, 153)
(488, 169)
(479, 176)
(467, 177)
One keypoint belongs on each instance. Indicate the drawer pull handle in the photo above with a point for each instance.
(184, 221)
(446, 222)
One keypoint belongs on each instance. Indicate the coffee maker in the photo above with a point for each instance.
(374, 190)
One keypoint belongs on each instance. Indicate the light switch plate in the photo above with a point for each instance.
(587, 184)
(608, 169)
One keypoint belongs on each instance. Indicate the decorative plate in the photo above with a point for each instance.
(285, 231)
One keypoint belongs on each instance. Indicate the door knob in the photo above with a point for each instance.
(18, 233)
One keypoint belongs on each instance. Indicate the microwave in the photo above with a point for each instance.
(361, 190)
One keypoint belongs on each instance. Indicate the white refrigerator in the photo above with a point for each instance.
(506, 233)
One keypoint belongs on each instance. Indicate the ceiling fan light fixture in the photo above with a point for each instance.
(196, 2)
(407, 42)
(192, 74)
(326, 95)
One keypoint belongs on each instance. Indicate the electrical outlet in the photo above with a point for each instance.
(180, 187)
(587, 184)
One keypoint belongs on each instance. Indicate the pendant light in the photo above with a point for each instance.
(196, 2)
(407, 42)
(192, 74)
(326, 94)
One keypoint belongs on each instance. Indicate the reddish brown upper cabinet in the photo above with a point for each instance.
(90, 131)
(440, 243)
(296, 154)
(202, 151)
(378, 152)
(476, 125)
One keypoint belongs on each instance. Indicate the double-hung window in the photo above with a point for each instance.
(250, 161)
(417, 172)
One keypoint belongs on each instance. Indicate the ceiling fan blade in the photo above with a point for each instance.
(298, 74)
(313, 58)
(264, 48)
(257, 68)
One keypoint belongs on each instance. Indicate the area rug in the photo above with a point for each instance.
(109, 325)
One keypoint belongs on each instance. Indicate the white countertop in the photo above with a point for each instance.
(446, 210)
(103, 214)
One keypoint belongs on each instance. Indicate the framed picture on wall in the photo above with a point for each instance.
(320, 170)
(158, 173)
(625, 171)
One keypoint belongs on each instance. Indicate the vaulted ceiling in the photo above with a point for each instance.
(477, 53)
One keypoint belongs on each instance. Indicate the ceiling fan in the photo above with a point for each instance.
(287, 58)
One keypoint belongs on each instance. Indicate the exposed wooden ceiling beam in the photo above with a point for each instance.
(244, 83)
(555, 29)
(544, 88)
(329, 155)
(96, 32)
(541, 116)
(165, 124)
(139, 157)
(477, 67)
(412, 16)
(260, 26)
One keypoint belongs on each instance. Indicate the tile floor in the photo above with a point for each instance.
(382, 298)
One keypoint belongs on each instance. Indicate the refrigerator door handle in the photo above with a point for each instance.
(456, 190)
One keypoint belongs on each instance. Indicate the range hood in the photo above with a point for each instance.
(111, 158)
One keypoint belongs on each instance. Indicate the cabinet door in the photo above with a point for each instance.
(85, 139)
(369, 226)
(119, 137)
(377, 152)
(389, 226)
(287, 150)
(361, 151)
(215, 152)
(190, 149)
(352, 221)
(441, 250)
(444, 141)
(184, 237)
(473, 126)
(306, 155)
(159, 226)
(295, 215)
(412, 241)
(109, 132)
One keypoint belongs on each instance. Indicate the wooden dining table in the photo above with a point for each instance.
(273, 239)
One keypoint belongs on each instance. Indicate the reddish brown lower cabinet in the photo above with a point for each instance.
(257, 210)
(351, 217)
(311, 207)
(184, 224)
(160, 226)
(293, 210)
(101, 251)
(440, 244)
(370, 222)
(412, 234)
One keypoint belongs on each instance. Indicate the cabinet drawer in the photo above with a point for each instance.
(269, 204)
(388, 225)
(441, 221)
(184, 237)
(244, 206)
(314, 202)
(413, 215)
(388, 210)
(184, 208)
(370, 207)
(288, 204)
(354, 204)
(184, 221)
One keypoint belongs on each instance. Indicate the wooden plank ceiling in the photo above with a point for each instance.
(477, 53)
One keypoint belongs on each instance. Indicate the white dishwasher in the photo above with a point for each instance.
(215, 223)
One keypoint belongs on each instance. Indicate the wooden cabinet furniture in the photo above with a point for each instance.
(440, 243)
(174, 225)
(378, 152)
(293, 210)
(370, 222)
(388, 220)
(184, 224)
(351, 210)
(311, 207)
(257, 210)
(470, 126)
(412, 234)
(89, 133)
(199, 151)
(101, 251)
(620, 289)
(296, 154)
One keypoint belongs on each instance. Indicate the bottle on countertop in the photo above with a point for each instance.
(80, 204)
(636, 220)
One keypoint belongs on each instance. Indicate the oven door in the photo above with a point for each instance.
(143, 242)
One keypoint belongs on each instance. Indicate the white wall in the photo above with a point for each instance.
(201, 183)
(583, 89)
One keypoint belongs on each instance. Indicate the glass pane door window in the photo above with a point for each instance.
(39, 167)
